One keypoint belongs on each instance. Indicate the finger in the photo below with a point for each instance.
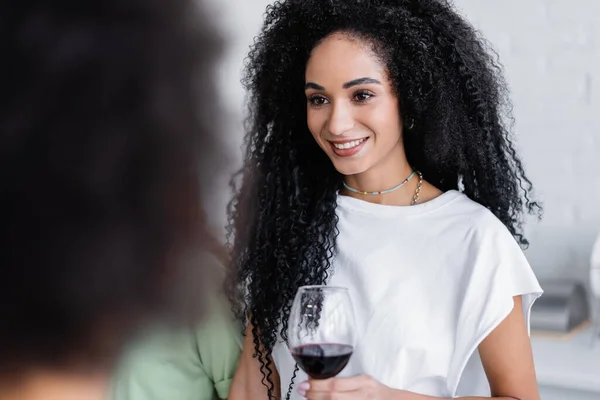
(354, 395)
(339, 384)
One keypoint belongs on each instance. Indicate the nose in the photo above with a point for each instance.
(341, 119)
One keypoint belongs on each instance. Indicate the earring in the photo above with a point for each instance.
(411, 123)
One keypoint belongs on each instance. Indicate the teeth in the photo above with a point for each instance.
(348, 145)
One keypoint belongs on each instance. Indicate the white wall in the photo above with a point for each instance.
(551, 53)
(240, 21)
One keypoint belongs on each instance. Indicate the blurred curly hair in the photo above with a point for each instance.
(104, 149)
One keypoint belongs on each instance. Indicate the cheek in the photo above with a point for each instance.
(385, 122)
(315, 120)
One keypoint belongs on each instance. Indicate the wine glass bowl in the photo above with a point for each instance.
(321, 331)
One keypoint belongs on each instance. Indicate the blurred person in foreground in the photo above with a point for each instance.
(105, 147)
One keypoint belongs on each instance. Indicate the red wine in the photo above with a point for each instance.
(322, 361)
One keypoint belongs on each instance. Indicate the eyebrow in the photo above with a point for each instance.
(347, 85)
(312, 85)
(360, 81)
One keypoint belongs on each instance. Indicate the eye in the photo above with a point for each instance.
(317, 101)
(362, 96)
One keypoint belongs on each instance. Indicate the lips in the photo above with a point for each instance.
(348, 148)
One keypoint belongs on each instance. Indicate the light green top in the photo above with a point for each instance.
(183, 365)
(194, 364)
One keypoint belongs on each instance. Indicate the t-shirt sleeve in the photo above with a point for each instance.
(163, 365)
(183, 364)
(219, 349)
(192, 364)
(498, 272)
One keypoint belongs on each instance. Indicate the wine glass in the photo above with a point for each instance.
(321, 330)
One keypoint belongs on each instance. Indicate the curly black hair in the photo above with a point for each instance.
(105, 145)
(451, 93)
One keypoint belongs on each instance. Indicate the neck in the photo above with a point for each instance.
(388, 173)
(46, 385)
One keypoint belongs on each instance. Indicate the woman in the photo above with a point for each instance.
(197, 363)
(379, 159)
(100, 148)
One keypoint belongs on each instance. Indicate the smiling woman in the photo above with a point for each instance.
(379, 160)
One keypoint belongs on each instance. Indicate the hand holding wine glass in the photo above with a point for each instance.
(322, 335)
(358, 387)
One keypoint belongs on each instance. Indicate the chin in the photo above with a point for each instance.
(347, 167)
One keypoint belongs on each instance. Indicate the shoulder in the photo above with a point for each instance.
(219, 328)
(466, 214)
(487, 250)
(493, 259)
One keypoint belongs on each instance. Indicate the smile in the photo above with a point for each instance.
(348, 145)
(348, 148)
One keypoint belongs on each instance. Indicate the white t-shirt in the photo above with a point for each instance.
(428, 283)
